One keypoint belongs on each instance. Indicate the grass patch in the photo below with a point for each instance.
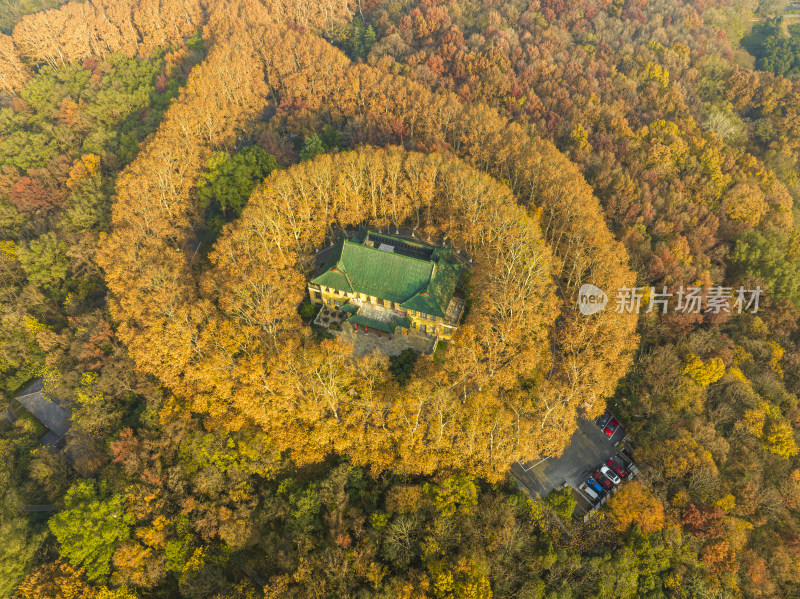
(439, 352)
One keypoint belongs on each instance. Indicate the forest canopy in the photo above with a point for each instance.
(168, 171)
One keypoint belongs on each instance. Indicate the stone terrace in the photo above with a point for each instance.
(365, 343)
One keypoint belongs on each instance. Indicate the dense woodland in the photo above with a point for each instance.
(167, 171)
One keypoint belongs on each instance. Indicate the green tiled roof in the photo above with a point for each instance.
(435, 298)
(404, 322)
(348, 307)
(386, 327)
(375, 272)
(334, 278)
(423, 285)
(372, 324)
(331, 276)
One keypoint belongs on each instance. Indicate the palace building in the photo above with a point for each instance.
(390, 285)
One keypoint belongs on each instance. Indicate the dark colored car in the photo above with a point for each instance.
(596, 486)
(612, 463)
(611, 427)
(602, 480)
(601, 421)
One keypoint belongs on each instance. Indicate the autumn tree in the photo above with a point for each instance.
(719, 557)
(14, 72)
(703, 520)
(635, 504)
(56, 579)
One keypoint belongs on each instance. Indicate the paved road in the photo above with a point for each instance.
(588, 447)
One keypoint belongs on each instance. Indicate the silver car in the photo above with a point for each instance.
(610, 474)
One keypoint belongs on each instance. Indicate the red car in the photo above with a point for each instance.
(616, 467)
(602, 480)
(611, 427)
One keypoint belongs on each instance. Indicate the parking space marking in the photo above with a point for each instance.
(532, 466)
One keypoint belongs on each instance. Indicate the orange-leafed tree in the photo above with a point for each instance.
(56, 580)
(719, 557)
(635, 504)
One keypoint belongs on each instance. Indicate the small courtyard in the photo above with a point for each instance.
(365, 341)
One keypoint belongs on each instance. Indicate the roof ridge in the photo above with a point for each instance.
(431, 292)
(47, 395)
(398, 237)
(343, 270)
(402, 256)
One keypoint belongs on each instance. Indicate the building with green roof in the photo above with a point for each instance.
(390, 284)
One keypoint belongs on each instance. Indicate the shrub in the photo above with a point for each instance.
(402, 366)
(562, 502)
(308, 311)
(379, 520)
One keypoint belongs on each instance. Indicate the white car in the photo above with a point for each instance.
(610, 474)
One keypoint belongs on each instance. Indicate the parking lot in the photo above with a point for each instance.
(588, 448)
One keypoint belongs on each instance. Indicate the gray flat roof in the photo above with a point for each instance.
(55, 417)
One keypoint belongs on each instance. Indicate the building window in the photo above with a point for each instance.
(338, 303)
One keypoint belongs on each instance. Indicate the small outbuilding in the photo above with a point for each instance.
(49, 411)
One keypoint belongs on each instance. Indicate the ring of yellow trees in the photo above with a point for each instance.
(229, 342)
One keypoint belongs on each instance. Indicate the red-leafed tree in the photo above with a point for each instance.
(30, 195)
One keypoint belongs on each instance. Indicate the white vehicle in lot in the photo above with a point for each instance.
(589, 491)
(610, 474)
